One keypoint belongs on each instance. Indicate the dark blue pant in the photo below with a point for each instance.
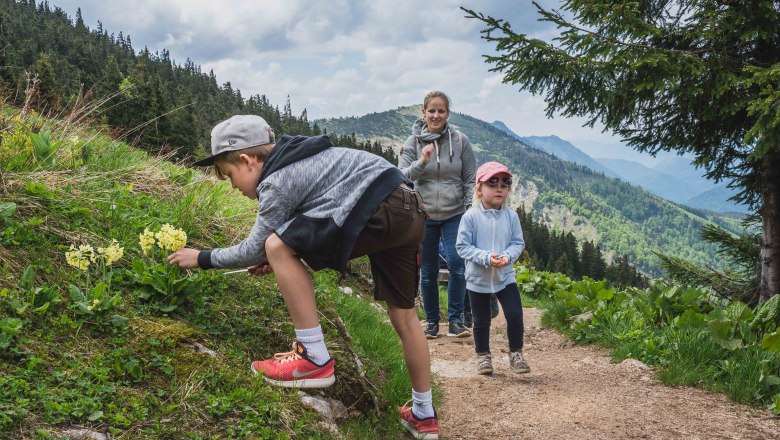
(447, 232)
(509, 297)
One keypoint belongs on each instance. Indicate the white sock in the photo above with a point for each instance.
(313, 341)
(422, 406)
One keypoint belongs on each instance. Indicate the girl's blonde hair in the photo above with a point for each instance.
(477, 197)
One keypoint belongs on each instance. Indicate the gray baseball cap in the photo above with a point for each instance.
(237, 133)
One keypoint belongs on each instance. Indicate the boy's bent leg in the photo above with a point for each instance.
(308, 365)
(294, 282)
(415, 346)
(420, 419)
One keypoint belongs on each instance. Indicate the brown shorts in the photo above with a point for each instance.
(391, 239)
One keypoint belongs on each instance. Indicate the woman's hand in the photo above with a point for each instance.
(427, 152)
(260, 269)
(186, 258)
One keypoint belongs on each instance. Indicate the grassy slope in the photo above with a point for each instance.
(127, 370)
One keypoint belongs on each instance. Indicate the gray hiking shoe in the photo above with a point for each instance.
(484, 363)
(457, 330)
(518, 363)
(432, 330)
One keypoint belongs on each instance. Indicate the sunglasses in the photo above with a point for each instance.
(493, 182)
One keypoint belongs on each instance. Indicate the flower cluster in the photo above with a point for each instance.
(167, 238)
(81, 256)
(170, 238)
(111, 253)
(146, 240)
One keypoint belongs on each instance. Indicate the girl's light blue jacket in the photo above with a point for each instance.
(483, 232)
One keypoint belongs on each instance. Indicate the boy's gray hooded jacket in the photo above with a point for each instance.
(447, 182)
(317, 198)
(483, 232)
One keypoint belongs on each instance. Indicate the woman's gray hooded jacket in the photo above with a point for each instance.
(446, 183)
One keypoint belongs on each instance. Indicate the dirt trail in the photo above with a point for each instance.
(574, 392)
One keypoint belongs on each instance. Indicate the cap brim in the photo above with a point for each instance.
(205, 162)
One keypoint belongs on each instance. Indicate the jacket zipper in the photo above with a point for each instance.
(493, 246)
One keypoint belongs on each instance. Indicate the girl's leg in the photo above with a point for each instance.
(456, 286)
(429, 277)
(480, 306)
(509, 297)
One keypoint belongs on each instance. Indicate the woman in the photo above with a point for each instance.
(440, 161)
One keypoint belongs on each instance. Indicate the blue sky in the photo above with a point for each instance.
(344, 58)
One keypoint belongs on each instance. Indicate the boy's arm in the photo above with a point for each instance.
(464, 244)
(468, 172)
(410, 165)
(274, 210)
(516, 243)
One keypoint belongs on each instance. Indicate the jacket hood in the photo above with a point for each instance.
(291, 149)
(420, 130)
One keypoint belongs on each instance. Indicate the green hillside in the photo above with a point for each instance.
(97, 331)
(622, 218)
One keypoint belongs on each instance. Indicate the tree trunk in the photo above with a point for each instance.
(770, 215)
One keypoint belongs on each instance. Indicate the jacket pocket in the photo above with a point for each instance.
(474, 272)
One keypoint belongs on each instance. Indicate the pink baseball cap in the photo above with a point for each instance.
(490, 169)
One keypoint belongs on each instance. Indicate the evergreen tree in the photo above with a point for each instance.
(695, 76)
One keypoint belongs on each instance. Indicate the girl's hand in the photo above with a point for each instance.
(427, 152)
(503, 261)
(186, 258)
(494, 260)
(260, 269)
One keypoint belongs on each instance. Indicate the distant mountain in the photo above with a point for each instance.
(624, 219)
(664, 185)
(677, 180)
(717, 199)
(558, 148)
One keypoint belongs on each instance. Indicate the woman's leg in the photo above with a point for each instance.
(429, 277)
(456, 286)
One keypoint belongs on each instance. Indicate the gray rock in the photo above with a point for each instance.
(85, 434)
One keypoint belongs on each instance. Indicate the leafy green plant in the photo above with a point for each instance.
(7, 209)
(164, 285)
(31, 298)
(9, 331)
(44, 149)
(95, 297)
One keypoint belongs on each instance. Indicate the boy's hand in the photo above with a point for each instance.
(260, 269)
(186, 258)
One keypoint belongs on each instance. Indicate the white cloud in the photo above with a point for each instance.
(339, 58)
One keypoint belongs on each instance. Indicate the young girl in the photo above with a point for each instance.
(490, 239)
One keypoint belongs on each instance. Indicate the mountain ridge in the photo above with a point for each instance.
(625, 219)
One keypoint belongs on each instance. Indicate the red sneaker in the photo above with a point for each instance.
(295, 370)
(426, 429)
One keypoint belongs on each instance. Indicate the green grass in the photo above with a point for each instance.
(127, 370)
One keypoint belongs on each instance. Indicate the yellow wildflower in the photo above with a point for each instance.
(170, 238)
(94, 304)
(146, 240)
(111, 253)
(78, 257)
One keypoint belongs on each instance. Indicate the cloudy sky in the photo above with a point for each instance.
(343, 58)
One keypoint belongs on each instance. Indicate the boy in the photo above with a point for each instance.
(324, 205)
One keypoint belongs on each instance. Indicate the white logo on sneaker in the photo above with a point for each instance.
(298, 374)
